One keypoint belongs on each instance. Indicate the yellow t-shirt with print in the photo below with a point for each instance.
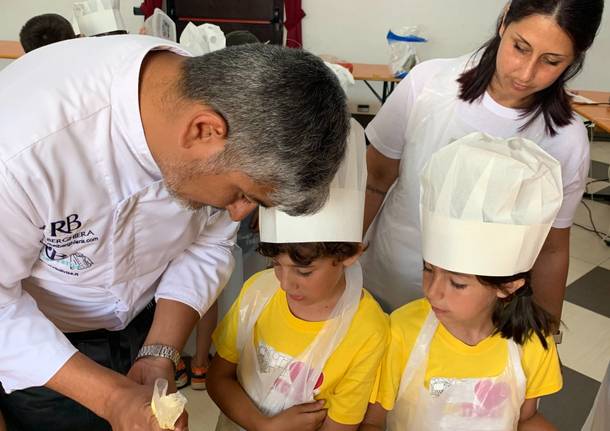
(349, 374)
(450, 357)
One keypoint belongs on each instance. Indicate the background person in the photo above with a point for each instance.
(43, 30)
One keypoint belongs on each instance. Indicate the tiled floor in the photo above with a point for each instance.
(585, 351)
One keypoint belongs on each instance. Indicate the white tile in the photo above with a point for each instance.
(586, 246)
(586, 341)
(606, 264)
(202, 411)
(595, 185)
(577, 269)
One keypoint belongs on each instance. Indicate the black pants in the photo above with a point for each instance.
(41, 409)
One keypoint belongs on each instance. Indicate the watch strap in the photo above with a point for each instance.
(160, 351)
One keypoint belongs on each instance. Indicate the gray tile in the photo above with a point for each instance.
(568, 409)
(598, 169)
(592, 291)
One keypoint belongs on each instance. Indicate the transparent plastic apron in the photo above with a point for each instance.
(302, 371)
(473, 404)
(392, 264)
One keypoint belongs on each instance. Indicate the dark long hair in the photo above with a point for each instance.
(580, 19)
(517, 316)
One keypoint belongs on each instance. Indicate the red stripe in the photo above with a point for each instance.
(239, 21)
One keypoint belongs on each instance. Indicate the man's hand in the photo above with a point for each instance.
(304, 417)
(112, 396)
(129, 409)
(146, 370)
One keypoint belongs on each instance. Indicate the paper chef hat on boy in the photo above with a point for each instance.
(95, 17)
(341, 217)
(487, 205)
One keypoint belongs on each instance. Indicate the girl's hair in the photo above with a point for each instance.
(517, 316)
(304, 253)
(580, 19)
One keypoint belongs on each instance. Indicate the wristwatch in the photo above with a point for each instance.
(160, 351)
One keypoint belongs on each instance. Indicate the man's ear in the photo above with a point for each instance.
(204, 133)
(510, 288)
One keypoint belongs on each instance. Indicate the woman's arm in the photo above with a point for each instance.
(531, 419)
(550, 271)
(374, 419)
(382, 172)
(231, 398)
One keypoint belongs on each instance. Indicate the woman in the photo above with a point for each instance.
(513, 86)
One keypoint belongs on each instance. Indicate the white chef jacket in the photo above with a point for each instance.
(89, 232)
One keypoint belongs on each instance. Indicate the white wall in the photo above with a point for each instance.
(355, 30)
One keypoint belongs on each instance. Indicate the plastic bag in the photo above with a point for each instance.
(402, 50)
(161, 25)
(166, 408)
(202, 39)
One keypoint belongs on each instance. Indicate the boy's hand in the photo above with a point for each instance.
(304, 417)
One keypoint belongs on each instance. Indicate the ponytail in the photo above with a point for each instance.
(517, 316)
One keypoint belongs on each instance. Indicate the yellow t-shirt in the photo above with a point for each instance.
(450, 357)
(350, 372)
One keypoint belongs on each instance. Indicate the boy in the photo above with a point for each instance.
(305, 330)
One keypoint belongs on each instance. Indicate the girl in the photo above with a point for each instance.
(475, 353)
(513, 86)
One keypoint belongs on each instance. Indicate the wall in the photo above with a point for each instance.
(355, 30)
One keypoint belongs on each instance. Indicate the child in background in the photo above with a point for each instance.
(305, 330)
(475, 353)
(43, 30)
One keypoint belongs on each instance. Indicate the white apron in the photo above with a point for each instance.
(279, 388)
(473, 404)
(392, 264)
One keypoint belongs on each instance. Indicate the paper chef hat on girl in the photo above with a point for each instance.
(341, 217)
(487, 205)
(95, 17)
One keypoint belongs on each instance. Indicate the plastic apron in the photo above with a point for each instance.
(280, 388)
(473, 404)
(393, 262)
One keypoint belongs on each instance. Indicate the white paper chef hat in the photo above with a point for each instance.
(341, 217)
(487, 205)
(98, 16)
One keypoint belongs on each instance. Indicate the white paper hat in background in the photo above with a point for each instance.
(74, 23)
(95, 17)
(159, 24)
(202, 39)
(345, 77)
(487, 205)
(341, 217)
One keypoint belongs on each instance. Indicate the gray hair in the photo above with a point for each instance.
(286, 114)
